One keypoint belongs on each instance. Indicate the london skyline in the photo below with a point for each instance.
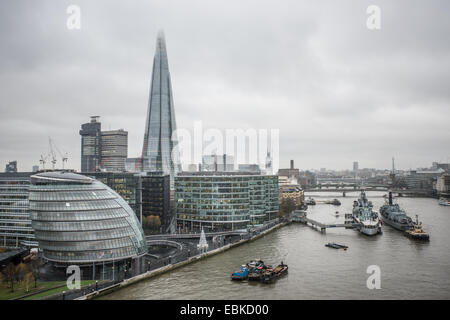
(337, 91)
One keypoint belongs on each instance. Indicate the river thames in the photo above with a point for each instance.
(409, 269)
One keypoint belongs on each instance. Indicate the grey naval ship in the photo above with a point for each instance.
(394, 216)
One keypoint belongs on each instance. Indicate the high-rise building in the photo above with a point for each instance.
(355, 166)
(11, 167)
(158, 152)
(91, 145)
(114, 150)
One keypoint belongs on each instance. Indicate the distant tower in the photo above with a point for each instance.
(393, 165)
(158, 150)
(11, 167)
(355, 166)
(392, 175)
(91, 145)
(292, 164)
(114, 150)
(269, 169)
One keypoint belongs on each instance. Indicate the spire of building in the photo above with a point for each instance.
(159, 143)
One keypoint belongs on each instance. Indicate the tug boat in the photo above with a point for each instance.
(417, 232)
(240, 275)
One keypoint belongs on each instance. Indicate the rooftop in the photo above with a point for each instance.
(61, 176)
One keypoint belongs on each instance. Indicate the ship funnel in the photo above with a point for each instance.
(390, 198)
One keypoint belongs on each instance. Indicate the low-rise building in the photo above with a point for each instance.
(443, 184)
(293, 192)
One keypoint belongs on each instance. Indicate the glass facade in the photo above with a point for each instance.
(114, 150)
(90, 145)
(81, 220)
(158, 145)
(224, 201)
(15, 223)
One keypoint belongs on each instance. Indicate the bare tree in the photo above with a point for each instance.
(9, 275)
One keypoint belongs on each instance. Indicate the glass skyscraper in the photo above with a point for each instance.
(159, 142)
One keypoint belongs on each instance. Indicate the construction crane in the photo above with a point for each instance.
(63, 156)
(43, 160)
(51, 153)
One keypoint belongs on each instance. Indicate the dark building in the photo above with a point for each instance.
(148, 194)
(91, 145)
(11, 167)
(156, 199)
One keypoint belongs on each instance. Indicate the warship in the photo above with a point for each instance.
(363, 214)
(394, 216)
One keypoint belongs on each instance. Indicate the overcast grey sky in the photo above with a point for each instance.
(337, 91)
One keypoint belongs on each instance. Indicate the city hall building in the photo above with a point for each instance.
(222, 201)
(79, 220)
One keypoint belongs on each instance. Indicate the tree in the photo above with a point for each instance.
(35, 269)
(21, 271)
(29, 278)
(9, 275)
(287, 205)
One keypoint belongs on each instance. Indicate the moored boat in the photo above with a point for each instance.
(365, 217)
(394, 216)
(336, 246)
(242, 274)
(417, 232)
(444, 202)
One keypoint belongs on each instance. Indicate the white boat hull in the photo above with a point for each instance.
(369, 231)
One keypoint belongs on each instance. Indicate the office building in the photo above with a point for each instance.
(15, 223)
(148, 194)
(249, 168)
(79, 220)
(222, 201)
(114, 150)
(218, 163)
(159, 149)
(355, 166)
(91, 145)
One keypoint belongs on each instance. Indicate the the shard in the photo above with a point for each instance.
(159, 152)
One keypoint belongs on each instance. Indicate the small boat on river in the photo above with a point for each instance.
(242, 274)
(336, 246)
(271, 274)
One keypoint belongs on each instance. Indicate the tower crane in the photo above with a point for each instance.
(43, 160)
(63, 156)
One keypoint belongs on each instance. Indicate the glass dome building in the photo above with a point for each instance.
(79, 220)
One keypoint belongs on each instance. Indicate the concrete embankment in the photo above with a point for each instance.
(159, 271)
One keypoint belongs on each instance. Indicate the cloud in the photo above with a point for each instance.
(337, 91)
